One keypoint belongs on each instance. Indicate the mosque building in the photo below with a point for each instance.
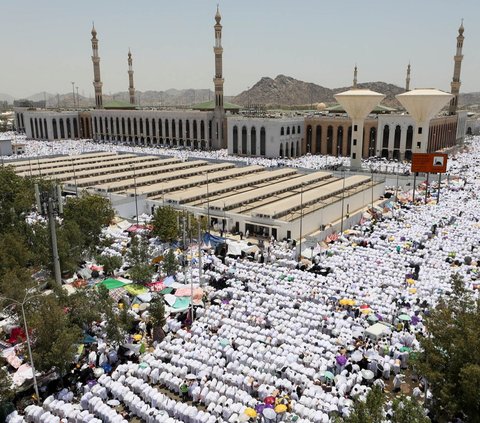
(216, 125)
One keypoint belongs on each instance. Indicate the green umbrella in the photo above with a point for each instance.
(329, 375)
(290, 279)
(372, 318)
(405, 349)
(404, 317)
(224, 342)
(112, 283)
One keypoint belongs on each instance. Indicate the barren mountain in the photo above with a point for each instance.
(288, 91)
(284, 91)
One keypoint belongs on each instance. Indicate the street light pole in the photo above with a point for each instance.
(208, 205)
(75, 177)
(73, 93)
(343, 202)
(53, 232)
(301, 221)
(135, 190)
(200, 269)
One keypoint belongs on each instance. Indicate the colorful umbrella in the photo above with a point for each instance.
(329, 375)
(269, 413)
(269, 400)
(341, 360)
(250, 412)
(259, 408)
(280, 408)
(404, 317)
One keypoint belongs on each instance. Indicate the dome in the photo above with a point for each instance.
(321, 106)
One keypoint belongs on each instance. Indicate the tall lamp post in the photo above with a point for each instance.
(301, 222)
(135, 190)
(74, 177)
(73, 93)
(208, 205)
(26, 299)
(343, 202)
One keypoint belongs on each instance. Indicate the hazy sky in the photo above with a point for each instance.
(46, 44)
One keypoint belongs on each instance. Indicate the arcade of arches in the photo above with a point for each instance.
(386, 137)
(333, 136)
(161, 131)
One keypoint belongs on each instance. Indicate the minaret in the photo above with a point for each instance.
(97, 83)
(455, 84)
(131, 89)
(355, 72)
(407, 81)
(218, 138)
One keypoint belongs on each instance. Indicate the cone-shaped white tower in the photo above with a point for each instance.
(423, 104)
(358, 104)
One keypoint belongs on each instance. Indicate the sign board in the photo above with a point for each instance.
(429, 162)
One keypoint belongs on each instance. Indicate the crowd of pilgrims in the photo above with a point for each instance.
(278, 343)
(36, 149)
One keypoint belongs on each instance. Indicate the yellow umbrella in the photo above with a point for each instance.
(412, 290)
(280, 408)
(137, 337)
(351, 302)
(366, 310)
(410, 281)
(344, 301)
(250, 412)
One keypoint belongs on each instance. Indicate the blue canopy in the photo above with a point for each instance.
(212, 239)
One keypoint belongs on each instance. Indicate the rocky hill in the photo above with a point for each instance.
(288, 91)
(284, 91)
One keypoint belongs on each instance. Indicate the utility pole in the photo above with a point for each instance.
(200, 268)
(73, 93)
(48, 206)
(343, 202)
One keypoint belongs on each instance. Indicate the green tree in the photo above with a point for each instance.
(157, 311)
(408, 410)
(141, 270)
(369, 411)
(14, 284)
(6, 394)
(193, 225)
(6, 391)
(91, 213)
(449, 359)
(16, 198)
(14, 252)
(170, 263)
(54, 335)
(110, 263)
(70, 242)
(165, 224)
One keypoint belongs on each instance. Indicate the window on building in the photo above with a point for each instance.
(262, 142)
(235, 139)
(244, 140)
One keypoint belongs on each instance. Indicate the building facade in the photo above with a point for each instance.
(265, 137)
(386, 135)
(192, 129)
